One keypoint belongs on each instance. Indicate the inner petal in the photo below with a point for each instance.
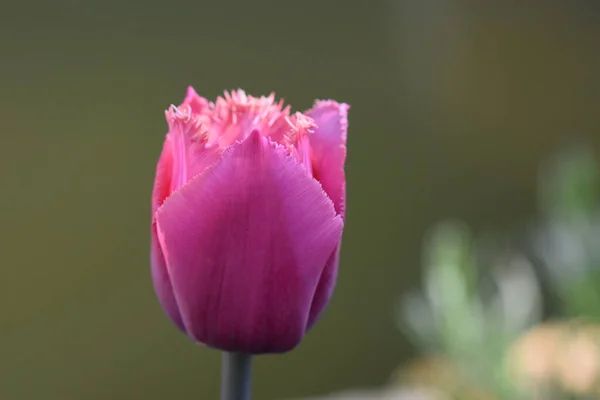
(237, 114)
(191, 154)
(200, 131)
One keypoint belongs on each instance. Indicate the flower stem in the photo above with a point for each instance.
(235, 376)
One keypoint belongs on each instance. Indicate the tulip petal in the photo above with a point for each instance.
(162, 180)
(198, 104)
(328, 145)
(246, 242)
(191, 154)
(160, 276)
(162, 281)
(325, 287)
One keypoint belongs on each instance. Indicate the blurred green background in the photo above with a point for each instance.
(454, 106)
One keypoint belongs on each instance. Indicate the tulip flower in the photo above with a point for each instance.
(247, 218)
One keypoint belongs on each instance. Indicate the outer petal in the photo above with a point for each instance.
(162, 179)
(328, 144)
(160, 277)
(246, 242)
(325, 287)
(162, 281)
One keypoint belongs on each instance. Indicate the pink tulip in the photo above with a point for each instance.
(247, 218)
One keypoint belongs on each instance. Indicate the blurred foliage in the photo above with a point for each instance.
(466, 329)
(570, 185)
(482, 341)
(567, 239)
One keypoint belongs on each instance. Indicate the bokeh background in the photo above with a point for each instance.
(454, 106)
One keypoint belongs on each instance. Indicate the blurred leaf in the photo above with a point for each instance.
(452, 316)
(581, 297)
(569, 186)
(415, 317)
(568, 241)
(448, 251)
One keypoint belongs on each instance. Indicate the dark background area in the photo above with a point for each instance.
(454, 106)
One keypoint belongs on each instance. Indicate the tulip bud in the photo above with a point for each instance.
(247, 218)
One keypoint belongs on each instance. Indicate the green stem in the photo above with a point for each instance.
(236, 376)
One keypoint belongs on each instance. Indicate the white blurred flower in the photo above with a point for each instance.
(518, 302)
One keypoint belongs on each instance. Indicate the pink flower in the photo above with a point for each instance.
(247, 218)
